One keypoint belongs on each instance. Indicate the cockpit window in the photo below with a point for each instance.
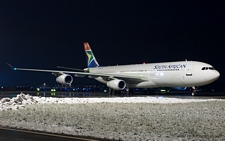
(208, 68)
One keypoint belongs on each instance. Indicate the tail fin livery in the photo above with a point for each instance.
(91, 61)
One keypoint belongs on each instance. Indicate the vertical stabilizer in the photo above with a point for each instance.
(91, 61)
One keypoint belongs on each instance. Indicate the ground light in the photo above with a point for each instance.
(53, 92)
(162, 91)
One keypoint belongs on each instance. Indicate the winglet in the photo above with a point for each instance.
(11, 66)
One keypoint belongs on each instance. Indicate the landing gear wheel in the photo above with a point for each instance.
(194, 91)
(128, 91)
(111, 91)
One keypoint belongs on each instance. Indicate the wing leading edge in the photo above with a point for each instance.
(82, 74)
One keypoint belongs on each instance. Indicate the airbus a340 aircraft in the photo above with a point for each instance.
(152, 75)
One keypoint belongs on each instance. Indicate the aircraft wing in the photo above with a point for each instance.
(82, 74)
(75, 69)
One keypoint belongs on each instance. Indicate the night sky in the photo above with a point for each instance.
(47, 33)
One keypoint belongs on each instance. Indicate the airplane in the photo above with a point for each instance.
(148, 75)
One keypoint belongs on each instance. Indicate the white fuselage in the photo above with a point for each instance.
(165, 74)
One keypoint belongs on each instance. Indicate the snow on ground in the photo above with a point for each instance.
(22, 100)
(117, 100)
(125, 118)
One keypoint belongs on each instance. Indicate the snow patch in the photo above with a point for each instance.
(18, 102)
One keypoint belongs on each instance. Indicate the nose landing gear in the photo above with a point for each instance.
(194, 91)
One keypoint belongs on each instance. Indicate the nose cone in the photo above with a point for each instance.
(216, 74)
(213, 76)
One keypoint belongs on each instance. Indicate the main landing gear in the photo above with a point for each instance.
(127, 91)
(112, 92)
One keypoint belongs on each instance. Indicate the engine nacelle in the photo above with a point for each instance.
(116, 84)
(64, 79)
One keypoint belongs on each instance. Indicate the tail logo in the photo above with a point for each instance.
(91, 62)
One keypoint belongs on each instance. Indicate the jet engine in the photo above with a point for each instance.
(116, 84)
(64, 79)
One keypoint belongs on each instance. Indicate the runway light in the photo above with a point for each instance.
(52, 94)
(52, 90)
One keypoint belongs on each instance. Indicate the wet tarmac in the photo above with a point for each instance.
(11, 94)
(9, 134)
(180, 94)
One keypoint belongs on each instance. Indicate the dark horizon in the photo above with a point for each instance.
(46, 34)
